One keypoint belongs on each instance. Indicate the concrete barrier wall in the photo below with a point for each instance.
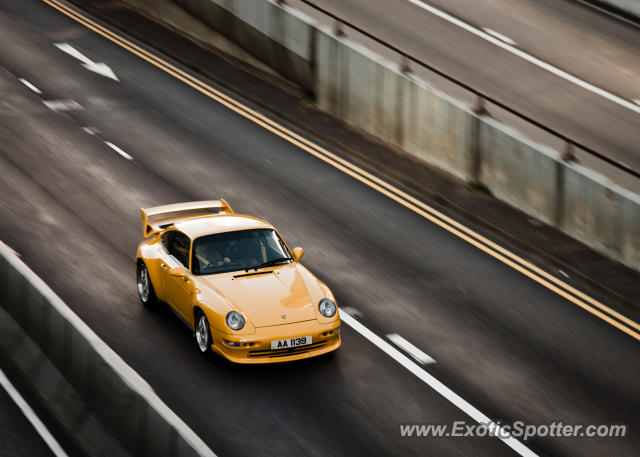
(278, 36)
(519, 172)
(102, 404)
(371, 94)
(603, 215)
(628, 6)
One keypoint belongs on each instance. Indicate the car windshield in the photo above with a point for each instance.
(241, 250)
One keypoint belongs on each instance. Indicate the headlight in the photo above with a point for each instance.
(327, 307)
(235, 321)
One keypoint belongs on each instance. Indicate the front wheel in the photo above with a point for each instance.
(145, 288)
(203, 334)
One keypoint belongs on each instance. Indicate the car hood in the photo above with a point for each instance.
(266, 296)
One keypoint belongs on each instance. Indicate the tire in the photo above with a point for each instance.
(202, 333)
(146, 293)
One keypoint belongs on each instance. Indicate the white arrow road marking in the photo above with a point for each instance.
(410, 349)
(100, 68)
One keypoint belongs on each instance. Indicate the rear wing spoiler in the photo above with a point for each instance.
(159, 217)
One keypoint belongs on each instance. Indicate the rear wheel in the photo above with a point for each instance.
(203, 333)
(145, 288)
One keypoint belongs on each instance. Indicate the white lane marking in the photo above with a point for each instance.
(118, 150)
(410, 349)
(351, 310)
(90, 130)
(563, 273)
(500, 36)
(62, 105)
(432, 382)
(31, 416)
(529, 58)
(133, 381)
(30, 86)
(100, 68)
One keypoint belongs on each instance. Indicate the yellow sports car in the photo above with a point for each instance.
(233, 280)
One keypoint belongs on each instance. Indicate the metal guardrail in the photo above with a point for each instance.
(482, 97)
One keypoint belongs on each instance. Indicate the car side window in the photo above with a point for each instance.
(180, 248)
(167, 240)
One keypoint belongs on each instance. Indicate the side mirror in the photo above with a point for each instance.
(179, 272)
(297, 253)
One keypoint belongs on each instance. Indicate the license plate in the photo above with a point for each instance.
(291, 342)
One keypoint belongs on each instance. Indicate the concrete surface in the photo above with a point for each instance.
(519, 172)
(181, 21)
(102, 405)
(602, 213)
(280, 37)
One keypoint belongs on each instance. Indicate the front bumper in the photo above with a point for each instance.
(256, 348)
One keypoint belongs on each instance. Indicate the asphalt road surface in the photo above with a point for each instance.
(70, 203)
(563, 35)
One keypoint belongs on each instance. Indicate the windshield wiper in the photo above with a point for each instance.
(269, 263)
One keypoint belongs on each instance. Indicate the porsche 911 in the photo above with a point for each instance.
(235, 283)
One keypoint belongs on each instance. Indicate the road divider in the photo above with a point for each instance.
(101, 403)
(454, 227)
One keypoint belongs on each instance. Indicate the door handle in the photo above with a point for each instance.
(163, 266)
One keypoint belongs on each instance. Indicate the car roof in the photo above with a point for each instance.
(219, 223)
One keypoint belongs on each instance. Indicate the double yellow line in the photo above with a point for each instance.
(540, 276)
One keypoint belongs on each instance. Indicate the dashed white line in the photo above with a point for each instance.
(410, 349)
(118, 150)
(30, 86)
(529, 58)
(563, 273)
(90, 130)
(432, 382)
(500, 36)
(62, 105)
(31, 416)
